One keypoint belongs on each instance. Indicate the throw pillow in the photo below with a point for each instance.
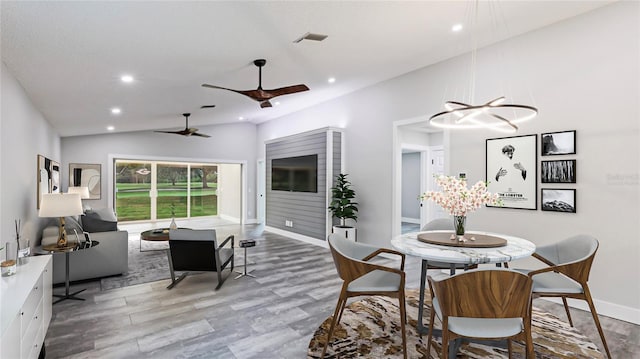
(100, 220)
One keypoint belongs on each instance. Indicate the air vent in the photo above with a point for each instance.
(310, 36)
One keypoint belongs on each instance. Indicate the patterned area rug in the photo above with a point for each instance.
(371, 328)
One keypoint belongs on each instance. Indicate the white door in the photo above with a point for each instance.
(260, 191)
(435, 166)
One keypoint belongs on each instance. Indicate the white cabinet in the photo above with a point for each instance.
(25, 310)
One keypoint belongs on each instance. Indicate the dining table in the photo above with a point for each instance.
(444, 247)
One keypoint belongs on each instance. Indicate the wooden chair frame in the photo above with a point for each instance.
(493, 293)
(350, 269)
(577, 270)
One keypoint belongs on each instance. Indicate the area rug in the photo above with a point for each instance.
(371, 328)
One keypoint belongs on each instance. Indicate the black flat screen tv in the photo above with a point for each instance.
(295, 174)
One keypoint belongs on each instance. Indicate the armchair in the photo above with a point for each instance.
(198, 250)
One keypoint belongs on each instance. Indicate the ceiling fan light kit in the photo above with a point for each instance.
(495, 114)
(261, 95)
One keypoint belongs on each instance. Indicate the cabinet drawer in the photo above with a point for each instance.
(31, 304)
(37, 344)
(33, 332)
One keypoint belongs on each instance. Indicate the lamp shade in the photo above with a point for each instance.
(82, 191)
(60, 205)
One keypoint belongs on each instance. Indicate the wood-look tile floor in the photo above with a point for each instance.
(271, 316)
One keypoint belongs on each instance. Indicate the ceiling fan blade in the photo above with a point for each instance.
(173, 132)
(207, 106)
(253, 94)
(287, 90)
(265, 104)
(199, 134)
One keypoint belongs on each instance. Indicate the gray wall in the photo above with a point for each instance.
(307, 210)
(583, 74)
(228, 143)
(24, 133)
(411, 185)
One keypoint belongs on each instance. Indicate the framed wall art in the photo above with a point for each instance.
(86, 175)
(558, 200)
(48, 177)
(512, 171)
(558, 143)
(563, 171)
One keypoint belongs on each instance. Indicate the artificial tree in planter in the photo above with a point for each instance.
(343, 207)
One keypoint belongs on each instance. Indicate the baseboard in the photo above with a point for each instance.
(411, 220)
(607, 309)
(251, 221)
(229, 218)
(300, 237)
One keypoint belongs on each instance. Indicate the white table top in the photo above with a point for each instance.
(516, 248)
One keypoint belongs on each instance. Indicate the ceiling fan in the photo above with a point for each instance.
(260, 95)
(187, 131)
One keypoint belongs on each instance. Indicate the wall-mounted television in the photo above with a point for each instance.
(295, 174)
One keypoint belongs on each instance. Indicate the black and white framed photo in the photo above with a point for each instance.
(559, 143)
(512, 170)
(559, 200)
(563, 171)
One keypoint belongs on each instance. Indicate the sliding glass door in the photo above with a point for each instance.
(133, 190)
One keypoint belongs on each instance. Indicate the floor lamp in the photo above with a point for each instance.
(60, 205)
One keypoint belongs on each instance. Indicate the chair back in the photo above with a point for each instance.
(192, 249)
(572, 256)
(439, 224)
(347, 256)
(484, 293)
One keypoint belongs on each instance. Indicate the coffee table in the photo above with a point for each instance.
(154, 235)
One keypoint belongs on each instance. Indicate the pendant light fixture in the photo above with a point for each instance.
(494, 114)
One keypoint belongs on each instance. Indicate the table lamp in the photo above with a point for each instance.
(82, 191)
(60, 205)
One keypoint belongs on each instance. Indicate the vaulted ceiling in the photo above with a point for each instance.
(69, 56)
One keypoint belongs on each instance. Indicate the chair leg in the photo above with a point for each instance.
(432, 317)
(403, 318)
(587, 295)
(566, 309)
(341, 301)
(445, 340)
(509, 348)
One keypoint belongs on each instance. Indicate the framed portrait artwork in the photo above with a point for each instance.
(563, 171)
(558, 200)
(86, 175)
(558, 143)
(48, 177)
(512, 170)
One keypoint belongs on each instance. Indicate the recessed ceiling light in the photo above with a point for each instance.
(126, 78)
(110, 128)
(116, 111)
(277, 103)
(456, 27)
(240, 118)
(331, 80)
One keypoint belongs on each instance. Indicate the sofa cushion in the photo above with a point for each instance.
(100, 220)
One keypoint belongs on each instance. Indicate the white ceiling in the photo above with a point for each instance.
(69, 56)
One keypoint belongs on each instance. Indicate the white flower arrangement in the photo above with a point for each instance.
(457, 199)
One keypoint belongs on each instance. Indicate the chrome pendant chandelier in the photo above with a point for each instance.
(494, 114)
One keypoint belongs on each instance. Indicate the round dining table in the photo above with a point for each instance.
(457, 254)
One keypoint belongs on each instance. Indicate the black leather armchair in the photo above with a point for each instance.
(198, 251)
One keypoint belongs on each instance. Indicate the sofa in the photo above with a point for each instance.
(110, 257)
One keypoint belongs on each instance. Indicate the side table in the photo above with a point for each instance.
(246, 243)
(71, 247)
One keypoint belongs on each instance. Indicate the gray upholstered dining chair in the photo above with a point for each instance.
(482, 304)
(444, 224)
(569, 264)
(364, 278)
(198, 251)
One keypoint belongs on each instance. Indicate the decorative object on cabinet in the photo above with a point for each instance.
(86, 175)
(512, 170)
(562, 171)
(558, 143)
(558, 200)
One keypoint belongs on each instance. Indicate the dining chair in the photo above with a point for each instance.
(444, 224)
(361, 277)
(485, 304)
(569, 264)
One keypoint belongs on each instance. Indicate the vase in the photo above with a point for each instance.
(459, 224)
(173, 224)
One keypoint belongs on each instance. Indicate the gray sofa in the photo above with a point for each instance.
(110, 257)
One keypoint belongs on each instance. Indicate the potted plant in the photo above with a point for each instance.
(343, 207)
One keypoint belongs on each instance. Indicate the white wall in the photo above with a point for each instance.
(24, 133)
(230, 191)
(583, 74)
(228, 143)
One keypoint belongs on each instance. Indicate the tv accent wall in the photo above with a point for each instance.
(303, 213)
